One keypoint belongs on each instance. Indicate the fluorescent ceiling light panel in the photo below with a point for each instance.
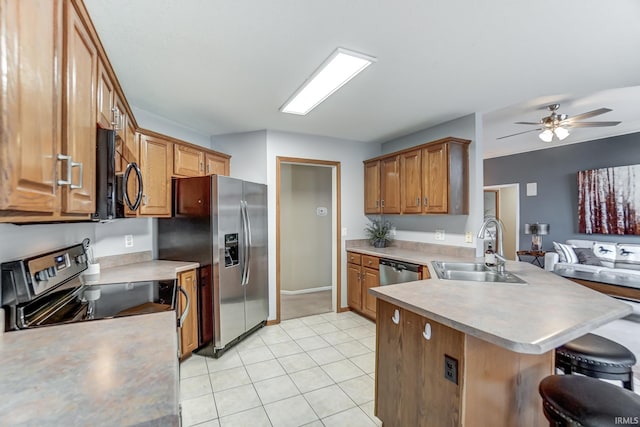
(338, 69)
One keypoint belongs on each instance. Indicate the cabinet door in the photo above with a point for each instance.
(354, 287)
(156, 162)
(120, 117)
(30, 59)
(435, 172)
(411, 181)
(390, 391)
(187, 161)
(189, 331)
(79, 132)
(216, 165)
(371, 279)
(105, 98)
(434, 400)
(372, 187)
(390, 185)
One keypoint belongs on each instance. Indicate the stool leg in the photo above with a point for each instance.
(628, 384)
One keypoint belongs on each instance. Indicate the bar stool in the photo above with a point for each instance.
(570, 400)
(597, 357)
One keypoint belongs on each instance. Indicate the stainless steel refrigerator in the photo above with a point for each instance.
(221, 222)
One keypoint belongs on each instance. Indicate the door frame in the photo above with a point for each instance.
(515, 187)
(335, 166)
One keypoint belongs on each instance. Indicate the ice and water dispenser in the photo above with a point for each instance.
(231, 250)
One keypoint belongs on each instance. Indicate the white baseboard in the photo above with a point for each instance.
(306, 291)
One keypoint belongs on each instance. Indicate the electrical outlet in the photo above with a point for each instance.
(451, 369)
(128, 241)
(439, 234)
(468, 237)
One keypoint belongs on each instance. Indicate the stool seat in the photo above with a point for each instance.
(597, 357)
(587, 401)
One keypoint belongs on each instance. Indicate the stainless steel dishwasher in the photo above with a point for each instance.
(392, 272)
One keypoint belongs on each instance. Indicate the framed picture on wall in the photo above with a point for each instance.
(609, 200)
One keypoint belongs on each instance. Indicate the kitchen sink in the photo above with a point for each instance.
(474, 272)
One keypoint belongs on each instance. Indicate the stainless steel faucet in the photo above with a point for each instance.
(497, 240)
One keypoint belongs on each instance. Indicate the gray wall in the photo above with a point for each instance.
(554, 170)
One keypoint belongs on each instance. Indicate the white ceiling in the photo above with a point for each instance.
(225, 66)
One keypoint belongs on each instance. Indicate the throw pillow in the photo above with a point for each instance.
(586, 256)
(606, 251)
(565, 253)
(628, 256)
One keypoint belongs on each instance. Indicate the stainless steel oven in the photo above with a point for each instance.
(49, 289)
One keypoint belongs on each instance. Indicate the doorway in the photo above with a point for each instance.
(503, 202)
(307, 241)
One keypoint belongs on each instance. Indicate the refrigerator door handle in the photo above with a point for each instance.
(248, 243)
(245, 253)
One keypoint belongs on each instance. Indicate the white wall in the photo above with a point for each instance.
(305, 236)
(421, 228)
(350, 154)
(248, 152)
(153, 122)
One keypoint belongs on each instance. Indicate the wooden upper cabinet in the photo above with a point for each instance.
(156, 164)
(411, 181)
(119, 117)
(216, 164)
(372, 187)
(445, 178)
(431, 178)
(79, 130)
(105, 98)
(30, 105)
(187, 161)
(390, 185)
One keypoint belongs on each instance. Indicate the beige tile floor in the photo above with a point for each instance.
(312, 371)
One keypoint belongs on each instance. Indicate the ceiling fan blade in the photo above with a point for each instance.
(588, 114)
(520, 133)
(527, 123)
(591, 124)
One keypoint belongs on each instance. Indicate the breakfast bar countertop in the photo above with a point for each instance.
(143, 271)
(532, 318)
(121, 371)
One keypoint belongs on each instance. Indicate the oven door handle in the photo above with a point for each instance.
(184, 314)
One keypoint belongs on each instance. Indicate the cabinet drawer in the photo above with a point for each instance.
(354, 258)
(370, 261)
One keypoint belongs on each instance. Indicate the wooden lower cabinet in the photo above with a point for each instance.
(494, 386)
(360, 278)
(188, 281)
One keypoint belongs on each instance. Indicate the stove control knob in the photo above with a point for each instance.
(52, 271)
(42, 276)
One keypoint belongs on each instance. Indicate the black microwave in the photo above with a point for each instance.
(112, 189)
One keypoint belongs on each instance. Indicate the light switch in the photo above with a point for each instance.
(344, 231)
(532, 188)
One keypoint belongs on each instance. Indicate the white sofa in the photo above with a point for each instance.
(617, 261)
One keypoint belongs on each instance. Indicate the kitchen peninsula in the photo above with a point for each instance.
(453, 353)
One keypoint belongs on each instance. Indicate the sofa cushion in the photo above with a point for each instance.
(606, 251)
(586, 256)
(579, 243)
(628, 256)
(565, 253)
(581, 267)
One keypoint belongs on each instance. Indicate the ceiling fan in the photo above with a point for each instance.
(558, 125)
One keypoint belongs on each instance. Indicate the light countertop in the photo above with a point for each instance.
(108, 372)
(141, 271)
(121, 371)
(533, 318)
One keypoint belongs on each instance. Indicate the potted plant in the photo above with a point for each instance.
(379, 232)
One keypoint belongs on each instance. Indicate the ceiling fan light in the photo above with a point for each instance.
(546, 135)
(561, 133)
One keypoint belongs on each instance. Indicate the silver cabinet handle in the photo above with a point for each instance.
(427, 331)
(425, 202)
(62, 157)
(377, 203)
(183, 316)
(417, 201)
(81, 166)
(116, 118)
(145, 200)
(208, 168)
(382, 203)
(201, 166)
(396, 316)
